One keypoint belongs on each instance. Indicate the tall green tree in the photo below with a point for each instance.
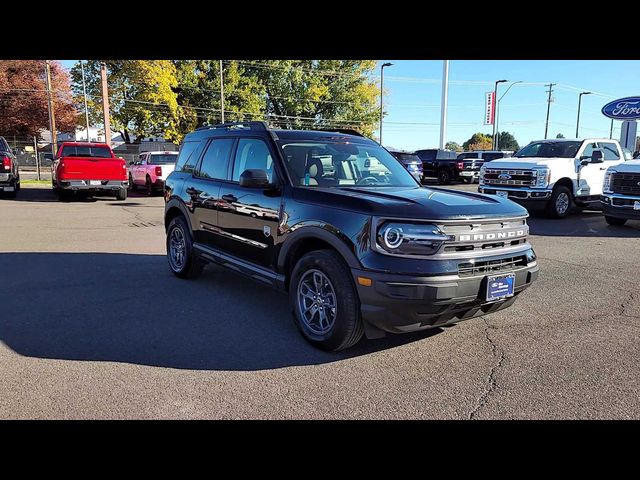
(141, 96)
(319, 93)
(506, 141)
(478, 141)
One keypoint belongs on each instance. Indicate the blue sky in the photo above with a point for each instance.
(413, 94)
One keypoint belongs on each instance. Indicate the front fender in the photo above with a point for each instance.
(321, 231)
(177, 203)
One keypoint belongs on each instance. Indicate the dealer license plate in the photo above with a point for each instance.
(95, 182)
(636, 205)
(502, 193)
(500, 286)
(466, 174)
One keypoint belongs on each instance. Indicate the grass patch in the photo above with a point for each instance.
(35, 182)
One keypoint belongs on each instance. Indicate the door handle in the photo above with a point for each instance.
(229, 198)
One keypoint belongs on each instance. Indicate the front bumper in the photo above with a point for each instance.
(620, 206)
(87, 185)
(522, 194)
(401, 303)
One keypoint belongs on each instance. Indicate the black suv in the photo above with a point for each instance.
(361, 247)
(9, 174)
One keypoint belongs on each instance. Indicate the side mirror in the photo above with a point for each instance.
(254, 178)
(130, 163)
(596, 156)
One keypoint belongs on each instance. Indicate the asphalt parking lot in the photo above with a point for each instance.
(94, 325)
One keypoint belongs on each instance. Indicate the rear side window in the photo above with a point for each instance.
(4, 146)
(216, 158)
(610, 151)
(188, 157)
(492, 156)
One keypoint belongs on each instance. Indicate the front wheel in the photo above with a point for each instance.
(615, 221)
(324, 301)
(560, 203)
(183, 261)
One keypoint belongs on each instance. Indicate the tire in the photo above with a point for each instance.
(63, 195)
(444, 177)
(615, 221)
(122, 194)
(561, 202)
(148, 187)
(190, 265)
(467, 180)
(345, 329)
(132, 185)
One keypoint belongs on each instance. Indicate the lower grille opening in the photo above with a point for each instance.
(469, 269)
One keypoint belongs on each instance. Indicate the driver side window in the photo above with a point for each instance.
(588, 150)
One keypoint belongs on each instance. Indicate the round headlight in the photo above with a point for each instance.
(393, 237)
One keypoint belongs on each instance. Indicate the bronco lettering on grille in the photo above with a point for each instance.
(478, 237)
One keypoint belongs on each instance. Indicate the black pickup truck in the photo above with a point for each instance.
(440, 164)
(9, 174)
(359, 250)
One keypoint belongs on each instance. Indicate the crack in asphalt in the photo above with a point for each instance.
(491, 384)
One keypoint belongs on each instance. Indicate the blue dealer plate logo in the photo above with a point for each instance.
(623, 109)
(500, 286)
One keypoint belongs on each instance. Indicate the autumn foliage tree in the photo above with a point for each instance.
(23, 98)
(478, 141)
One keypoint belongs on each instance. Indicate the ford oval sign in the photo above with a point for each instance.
(623, 109)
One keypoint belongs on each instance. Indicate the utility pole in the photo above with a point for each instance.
(221, 92)
(84, 91)
(546, 125)
(443, 105)
(105, 104)
(52, 113)
(35, 149)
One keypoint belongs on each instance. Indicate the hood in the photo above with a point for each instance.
(411, 202)
(630, 166)
(527, 162)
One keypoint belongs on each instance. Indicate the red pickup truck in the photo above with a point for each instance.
(88, 167)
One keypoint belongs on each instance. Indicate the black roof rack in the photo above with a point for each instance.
(348, 131)
(231, 125)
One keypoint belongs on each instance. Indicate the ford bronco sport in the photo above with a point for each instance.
(359, 251)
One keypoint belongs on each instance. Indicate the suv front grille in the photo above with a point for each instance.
(470, 269)
(626, 183)
(476, 236)
(515, 178)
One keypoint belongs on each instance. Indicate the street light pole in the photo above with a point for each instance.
(443, 106)
(578, 120)
(497, 147)
(52, 113)
(495, 99)
(611, 130)
(84, 92)
(381, 94)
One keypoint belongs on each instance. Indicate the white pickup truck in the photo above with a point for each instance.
(151, 170)
(621, 193)
(555, 175)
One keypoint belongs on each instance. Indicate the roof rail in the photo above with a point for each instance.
(348, 131)
(230, 125)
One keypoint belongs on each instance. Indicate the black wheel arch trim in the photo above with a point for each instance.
(323, 232)
(175, 203)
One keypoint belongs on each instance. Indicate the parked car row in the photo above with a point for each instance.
(9, 174)
(560, 175)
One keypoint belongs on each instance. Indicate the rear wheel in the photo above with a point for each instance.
(444, 177)
(132, 185)
(183, 261)
(560, 203)
(63, 195)
(122, 194)
(148, 187)
(615, 221)
(324, 301)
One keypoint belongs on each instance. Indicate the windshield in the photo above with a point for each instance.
(86, 151)
(550, 150)
(162, 159)
(335, 164)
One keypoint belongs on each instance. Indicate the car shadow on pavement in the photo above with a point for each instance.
(584, 224)
(130, 308)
